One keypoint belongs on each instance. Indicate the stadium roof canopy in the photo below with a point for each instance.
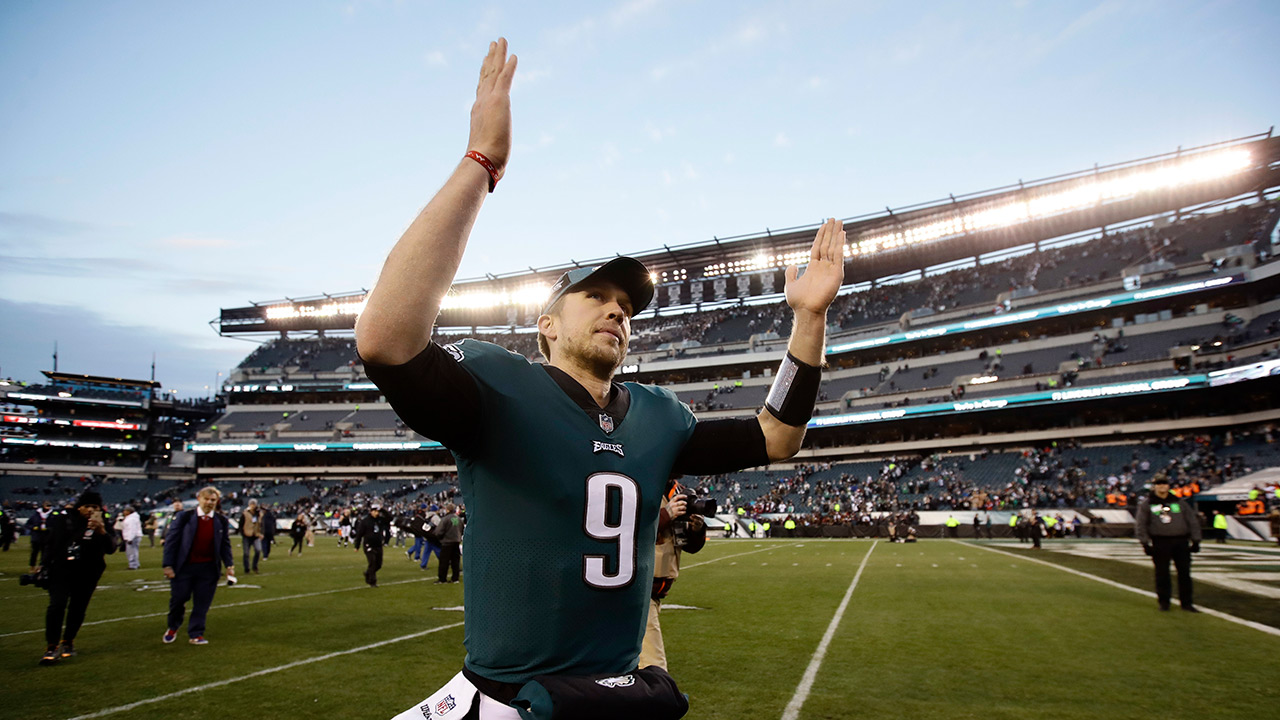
(76, 379)
(880, 245)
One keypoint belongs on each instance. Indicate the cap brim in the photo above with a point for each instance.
(627, 273)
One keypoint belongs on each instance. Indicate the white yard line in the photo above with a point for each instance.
(726, 557)
(1145, 593)
(227, 605)
(268, 671)
(792, 710)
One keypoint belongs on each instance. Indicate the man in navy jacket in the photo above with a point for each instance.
(196, 544)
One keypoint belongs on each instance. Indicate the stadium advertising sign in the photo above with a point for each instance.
(1037, 314)
(72, 444)
(1025, 399)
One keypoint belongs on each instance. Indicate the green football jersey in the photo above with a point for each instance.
(561, 520)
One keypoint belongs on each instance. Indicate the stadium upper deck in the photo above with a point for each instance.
(1091, 334)
(881, 246)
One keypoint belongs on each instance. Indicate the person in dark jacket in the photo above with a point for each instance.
(449, 534)
(268, 531)
(8, 526)
(1169, 529)
(371, 532)
(196, 543)
(75, 543)
(298, 532)
(36, 528)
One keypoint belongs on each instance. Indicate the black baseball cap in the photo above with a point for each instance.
(627, 273)
(89, 497)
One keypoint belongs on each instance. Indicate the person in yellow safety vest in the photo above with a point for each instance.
(953, 526)
(790, 527)
(837, 507)
(766, 528)
(1013, 526)
(728, 528)
(1220, 527)
(742, 512)
(1254, 493)
(1050, 526)
(751, 528)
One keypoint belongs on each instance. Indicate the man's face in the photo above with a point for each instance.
(1161, 489)
(593, 326)
(87, 511)
(208, 502)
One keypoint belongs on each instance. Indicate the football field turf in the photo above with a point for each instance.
(767, 629)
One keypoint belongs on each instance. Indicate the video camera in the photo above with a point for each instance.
(695, 505)
(39, 579)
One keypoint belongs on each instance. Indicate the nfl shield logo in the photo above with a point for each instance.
(445, 705)
(606, 423)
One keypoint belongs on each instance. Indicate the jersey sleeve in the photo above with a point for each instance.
(722, 446)
(433, 394)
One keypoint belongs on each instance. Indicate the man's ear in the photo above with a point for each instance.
(547, 326)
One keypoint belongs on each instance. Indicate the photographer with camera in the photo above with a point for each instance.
(71, 562)
(680, 529)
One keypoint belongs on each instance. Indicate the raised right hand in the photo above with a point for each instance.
(491, 113)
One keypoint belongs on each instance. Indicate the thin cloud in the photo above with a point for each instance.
(196, 243)
(115, 269)
(31, 223)
(78, 267)
(782, 140)
(436, 58)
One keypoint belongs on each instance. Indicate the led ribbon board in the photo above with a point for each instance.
(1140, 387)
(1059, 310)
(311, 446)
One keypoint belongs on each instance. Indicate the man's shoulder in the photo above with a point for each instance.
(469, 349)
(661, 393)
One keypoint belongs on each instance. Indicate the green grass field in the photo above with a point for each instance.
(933, 629)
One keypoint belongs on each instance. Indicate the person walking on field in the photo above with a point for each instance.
(197, 544)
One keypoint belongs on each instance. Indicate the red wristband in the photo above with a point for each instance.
(488, 165)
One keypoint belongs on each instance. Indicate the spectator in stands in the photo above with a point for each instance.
(196, 543)
(131, 534)
(73, 553)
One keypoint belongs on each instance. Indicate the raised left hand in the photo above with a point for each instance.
(814, 291)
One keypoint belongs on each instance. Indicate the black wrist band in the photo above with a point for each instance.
(794, 392)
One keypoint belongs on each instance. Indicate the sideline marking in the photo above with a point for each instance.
(749, 552)
(1146, 593)
(792, 710)
(268, 671)
(227, 605)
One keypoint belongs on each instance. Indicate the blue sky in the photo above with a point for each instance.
(160, 161)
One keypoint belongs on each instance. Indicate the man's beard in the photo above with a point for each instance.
(603, 362)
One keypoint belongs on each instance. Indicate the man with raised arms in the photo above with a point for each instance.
(561, 468)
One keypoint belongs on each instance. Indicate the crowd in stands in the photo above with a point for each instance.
(1058, 476)
(979, 286)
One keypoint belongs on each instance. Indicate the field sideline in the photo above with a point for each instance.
(932, 629)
